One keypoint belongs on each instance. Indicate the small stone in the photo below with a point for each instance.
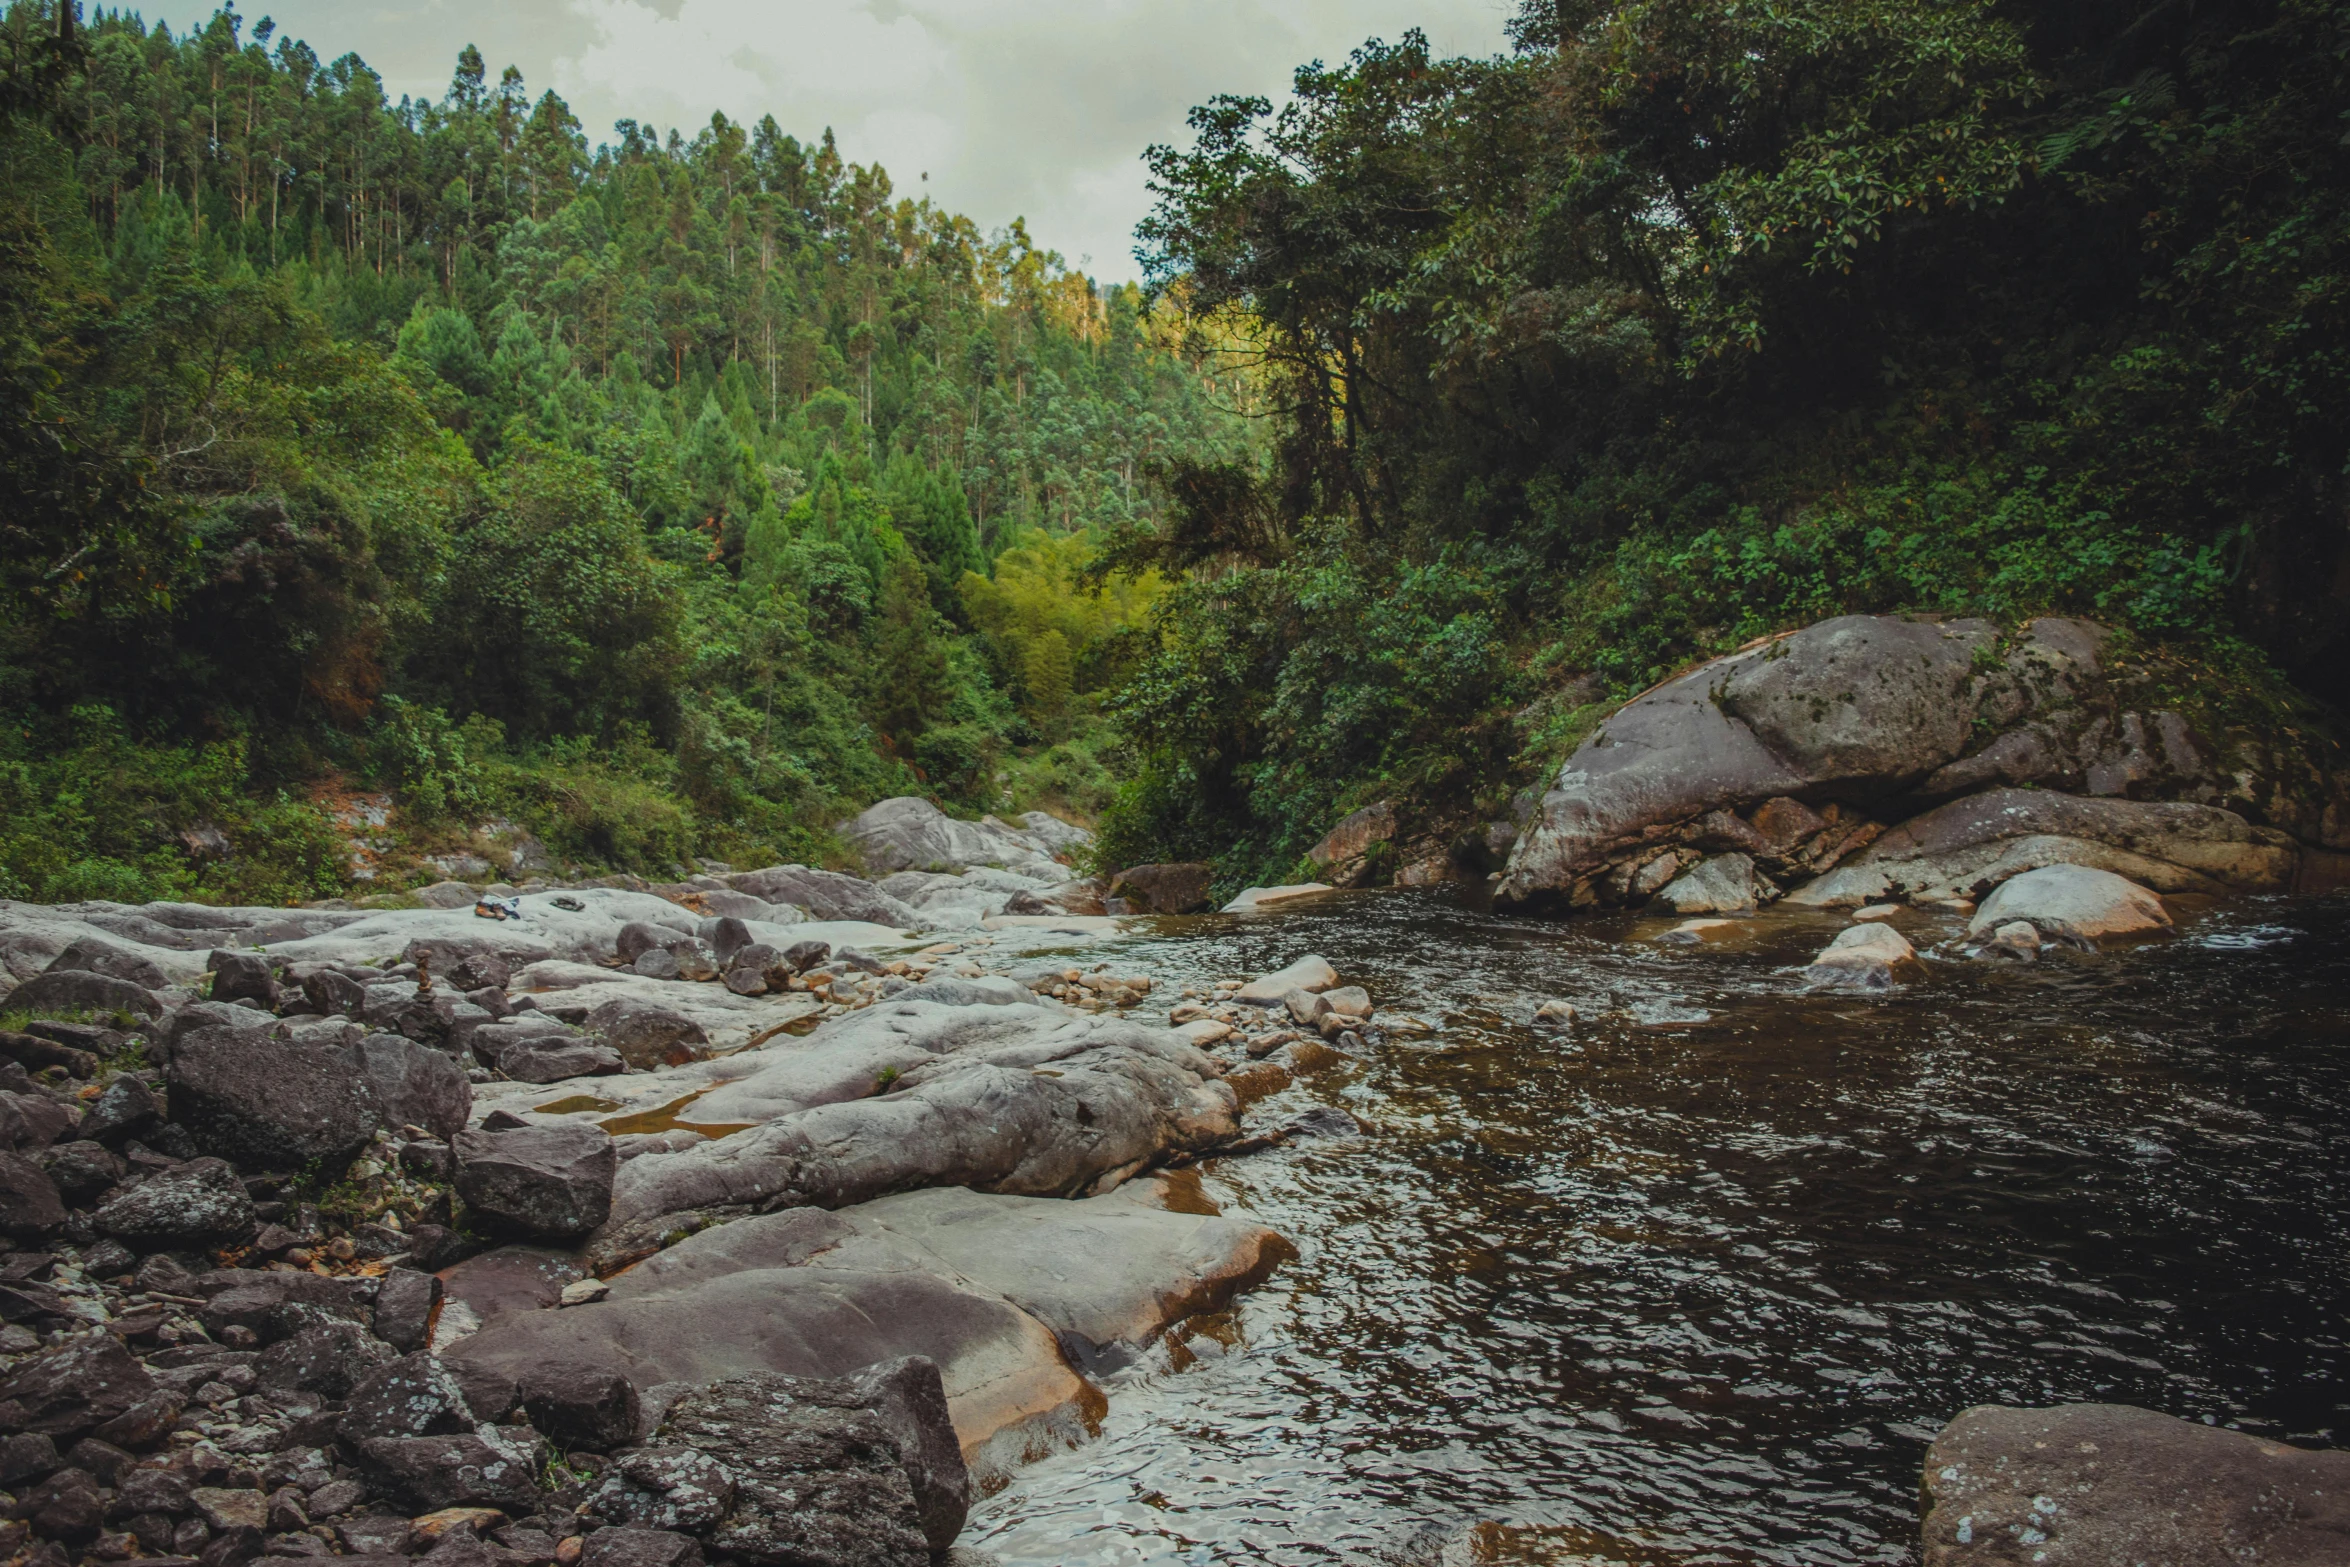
(640, 1548)
(1554, 1014)
(585, 1291)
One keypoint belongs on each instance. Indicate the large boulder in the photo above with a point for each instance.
(2105, 1485)
(79, 990)
(828, 895)
(200, 1203)
(1865, 957)
(1016, 1099)
(1797, 750)
(88, 1386)
(2073, 902)
(413, 1085)
(552, 1180)
(1969, 846)
(96, 955)
(1175, 888)
(1343, 857)
(272, 1104)
(821, 1469)
(911, 834)
(648, 1035)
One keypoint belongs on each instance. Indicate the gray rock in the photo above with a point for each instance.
(726, 937)
(665, 1488)
(491, 1466)
(553, 1180)
(2087, 1485)
(818, 1472)
(639, 937)
(802, 956)
(333, 993)
(413, 1396)
(2074, 902)
(908, 833)
(241, 976)
(124, 1109)
(97, 956)
(828, 895)
(1724, 884)
(551, 1058)
(275, 1306)
(481, 971)
(271, 1103)
(657, 963)
(79, 990)
(31, 1120)
(646, 1035)
(414, 1086)
(200, 1203)
(580, 1407)
(1865, 957)
(641, 1548)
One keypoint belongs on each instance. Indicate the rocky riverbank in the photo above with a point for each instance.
(610, 1223)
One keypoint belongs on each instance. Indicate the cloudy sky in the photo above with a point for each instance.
(1035, 108)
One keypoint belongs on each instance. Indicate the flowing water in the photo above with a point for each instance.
(1698, 1281)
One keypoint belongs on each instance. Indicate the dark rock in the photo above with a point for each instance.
(374, 1536)
(580, 1406)
(327, 1359)
(538, 1180)
(818, 1473)
(551, 1058)
(124, 1109)
(334, 994)
(428, 1159)
(165, 1274)
(32, 1120)
(272, 1103)
(433, 1247)
(30, 1206)
(1181, 888)
(24, 1301)
(664, 1488)
(274, 1306)
(232, 1547)
(336, 1497)
(79, 990)
(2092, 1484)
(481, 971)
(200, 1203)
(66, 1506)
(95, 956)
(802, 956)
(152, 1490)
(31, 1052)
(404, 1307)
(413, 1396)
(638, 937)
(727, 936)
(862, 962)
(460, 1547)
(102, 1459)
(241, 976)
(641, 1548)
(84, 1387)
(909, 1396)
(493, 1467)
(26, 1456)
(648, 1036)
(413, 1085)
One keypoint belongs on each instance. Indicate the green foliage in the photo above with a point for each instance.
(623, 492)
(1695, 320)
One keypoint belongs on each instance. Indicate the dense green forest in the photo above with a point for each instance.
(1692, 320)
(671, 497)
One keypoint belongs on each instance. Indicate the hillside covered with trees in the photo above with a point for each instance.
(1694, 320)
(671, 495)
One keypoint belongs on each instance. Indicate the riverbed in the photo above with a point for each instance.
(1697, 1280)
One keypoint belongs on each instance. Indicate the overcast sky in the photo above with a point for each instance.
(1035, 108)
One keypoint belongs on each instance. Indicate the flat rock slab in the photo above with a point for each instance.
(999, 1291)
(2106, 1485)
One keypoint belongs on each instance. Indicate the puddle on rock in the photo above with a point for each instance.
(577, 1104)
(665, 1118)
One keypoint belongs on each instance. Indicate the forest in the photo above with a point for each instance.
(672, 497)
(1695, 320)
(675, 495)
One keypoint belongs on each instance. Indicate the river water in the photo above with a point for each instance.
(1698, 1281)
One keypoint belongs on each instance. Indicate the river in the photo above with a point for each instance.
(1697, 1281)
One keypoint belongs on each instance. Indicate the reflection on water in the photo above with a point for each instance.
(1697, 1282)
